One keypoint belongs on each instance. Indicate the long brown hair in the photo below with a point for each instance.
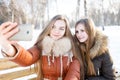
(85, 47)
(46, 32)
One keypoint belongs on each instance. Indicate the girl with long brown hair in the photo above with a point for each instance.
(54, 52)
(92, 43)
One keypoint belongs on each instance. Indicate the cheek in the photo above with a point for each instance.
(86, 36)
(51, 32)
(63, 32)
(77, 35)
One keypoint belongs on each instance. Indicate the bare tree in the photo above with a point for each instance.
(4, 12)
(37, 12)
(102, 16)
(29, 11)
(85, 7)
(17, 13)
(47, 6)
(78, 10)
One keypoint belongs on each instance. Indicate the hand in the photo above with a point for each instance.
(7, 30)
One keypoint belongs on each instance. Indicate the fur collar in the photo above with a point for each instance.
(100, 45)
(58, 47)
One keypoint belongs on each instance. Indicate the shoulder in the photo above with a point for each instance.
(100, 45)
(105, 58)
(105, 55)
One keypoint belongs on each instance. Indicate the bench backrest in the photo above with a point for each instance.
(10, 70)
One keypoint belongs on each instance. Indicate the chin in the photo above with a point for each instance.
(82, 41)
(55, 38)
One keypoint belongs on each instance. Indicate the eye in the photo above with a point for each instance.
(53, 26)
(82, 30)
(76, 32)
(62, 28)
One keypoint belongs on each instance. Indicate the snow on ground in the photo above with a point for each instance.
(114, 43)
(113, 33)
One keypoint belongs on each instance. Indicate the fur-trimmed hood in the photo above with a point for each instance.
(100, 45)
(58, 47)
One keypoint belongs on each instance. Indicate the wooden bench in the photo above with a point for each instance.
(10, 70)
(19, 72)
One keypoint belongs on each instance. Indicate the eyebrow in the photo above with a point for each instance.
(62, 26)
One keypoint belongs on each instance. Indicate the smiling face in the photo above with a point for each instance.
(80, 33)
(58, 29)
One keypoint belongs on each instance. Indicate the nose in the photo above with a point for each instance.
(56, 31)
(78, 34)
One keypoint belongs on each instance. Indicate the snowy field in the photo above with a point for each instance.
(114, 44)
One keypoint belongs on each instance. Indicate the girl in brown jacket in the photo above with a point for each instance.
(54, 51)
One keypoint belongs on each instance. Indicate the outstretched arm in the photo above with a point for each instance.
(24, 57)
(12, 50)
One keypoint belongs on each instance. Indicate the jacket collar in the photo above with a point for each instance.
(100, 45)
(57, 47)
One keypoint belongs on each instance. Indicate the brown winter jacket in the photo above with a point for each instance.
(51, 72)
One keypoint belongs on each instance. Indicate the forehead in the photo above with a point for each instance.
(59, 23)
(80, 26)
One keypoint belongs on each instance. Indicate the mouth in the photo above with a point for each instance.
(79, 38)
(55, 35)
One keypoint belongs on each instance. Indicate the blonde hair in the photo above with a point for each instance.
(85, 47)
(46, 32)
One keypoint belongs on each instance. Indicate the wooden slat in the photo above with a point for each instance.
(17, 74)
(7, 65)
(32, 79)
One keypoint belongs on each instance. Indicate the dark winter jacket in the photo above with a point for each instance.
(101, 59)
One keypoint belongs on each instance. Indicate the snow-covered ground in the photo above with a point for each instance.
(113, 33)
(114, 43)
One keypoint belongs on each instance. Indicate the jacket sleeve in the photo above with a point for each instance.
(107, 71)
(24, 57)
(98, 78)
(73, 71)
